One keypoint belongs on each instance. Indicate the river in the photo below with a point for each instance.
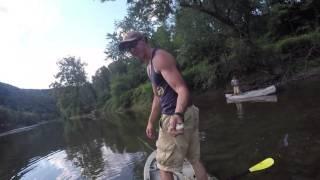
(233, 138)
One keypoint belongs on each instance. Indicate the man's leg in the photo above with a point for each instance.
(169, 157)
(199, 170)
(193, 154)
(166, 175)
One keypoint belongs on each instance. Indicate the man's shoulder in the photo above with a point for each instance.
(163, 57)
(162, 52)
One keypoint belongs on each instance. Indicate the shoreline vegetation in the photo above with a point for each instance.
(261, 42)
(25, 107)
(310, 75)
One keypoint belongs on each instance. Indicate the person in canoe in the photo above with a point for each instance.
(236, 85)
(178, 135)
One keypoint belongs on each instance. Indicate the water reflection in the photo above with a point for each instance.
(106, 148)
(58, 165)
(260, 99)
(285, 140)
(52, 166)
(19, 151)
(240, 111)
(287, 130)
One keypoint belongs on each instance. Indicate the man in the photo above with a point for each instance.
(236, 85)
(178, 135)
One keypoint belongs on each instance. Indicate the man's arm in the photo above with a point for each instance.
(166, 64)
(155, 111)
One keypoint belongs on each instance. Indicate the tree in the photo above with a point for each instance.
(71, 73)
(234, 14)
(101, 84)
(293, 17)
(74, 94)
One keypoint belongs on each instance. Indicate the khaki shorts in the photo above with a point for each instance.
(236, 90)
(171, 151)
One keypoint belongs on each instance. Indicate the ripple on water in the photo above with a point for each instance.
(120, 165)
(57, 165)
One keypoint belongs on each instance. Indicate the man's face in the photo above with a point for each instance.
(136, 48)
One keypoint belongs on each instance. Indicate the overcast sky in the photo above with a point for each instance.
(35, 34)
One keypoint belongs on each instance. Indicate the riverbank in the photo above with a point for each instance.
(256, 81)
(202, 99)
(249, 82)
(260, 80)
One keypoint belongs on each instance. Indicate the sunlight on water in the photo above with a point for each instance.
(53, 165)
(56, 165)
(119, 165)
(85, 150)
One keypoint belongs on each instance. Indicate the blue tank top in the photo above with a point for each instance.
(168, 97)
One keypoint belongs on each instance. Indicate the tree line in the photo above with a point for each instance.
(24, 107)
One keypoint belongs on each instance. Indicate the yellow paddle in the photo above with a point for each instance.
(258, 167)
(262, 165)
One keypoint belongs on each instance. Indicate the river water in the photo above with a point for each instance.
(233, 138)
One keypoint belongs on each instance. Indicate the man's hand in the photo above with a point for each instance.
(150, 131)
(175, 121)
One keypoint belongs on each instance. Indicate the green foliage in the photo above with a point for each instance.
(201, 76)
(298, 45)
(296, 53)
(22, 107)
(163, 37)
(145, 10)
(213, 39)
(142, 96)
(122, 86)
(101, 85)
(74, 94)
(287, 18)
(71, 73)
(73, 101)
(197, 39)
(120, 90)
(38, 101)
(12, 117)
(242, 58)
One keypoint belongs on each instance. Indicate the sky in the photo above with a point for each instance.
(35, 34)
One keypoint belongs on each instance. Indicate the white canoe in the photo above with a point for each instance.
(268, 98)
(152, 172)
(253, 93)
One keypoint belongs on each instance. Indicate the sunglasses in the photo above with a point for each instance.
(131, 44)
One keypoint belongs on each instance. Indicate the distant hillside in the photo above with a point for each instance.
(21, 107)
